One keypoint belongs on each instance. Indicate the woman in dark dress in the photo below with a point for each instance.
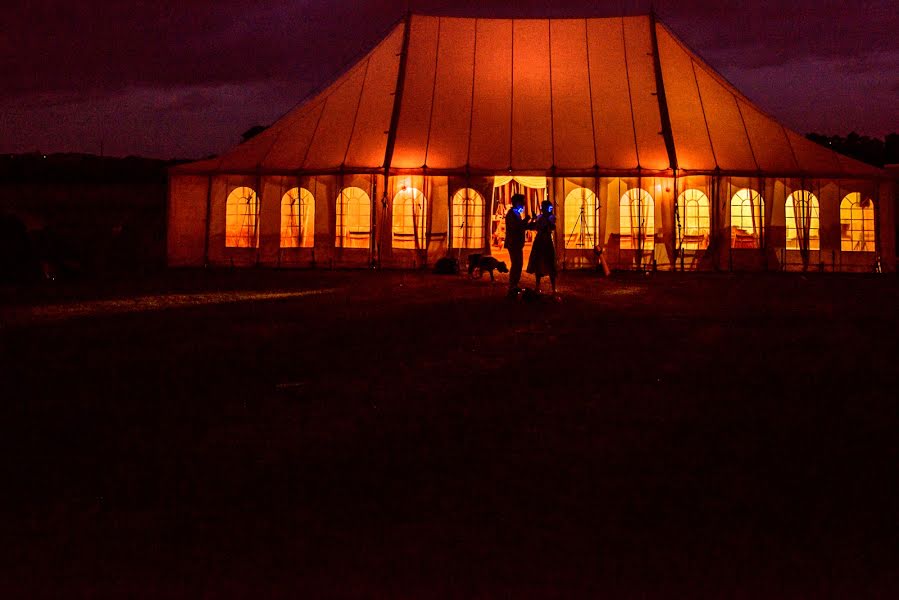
(543, 252)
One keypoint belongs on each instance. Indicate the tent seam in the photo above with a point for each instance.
(315, 131)
(433, 93)
(590, 90)
(630, 95)
(512, 98)
(746, 131)
(790, 146)
(474, 66)
(349, 142)
(552, 125)
(705, 119)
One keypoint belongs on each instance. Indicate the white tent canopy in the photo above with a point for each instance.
(560, 96)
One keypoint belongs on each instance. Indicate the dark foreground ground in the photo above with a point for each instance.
(405, 435)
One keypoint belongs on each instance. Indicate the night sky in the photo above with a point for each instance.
(186, 78)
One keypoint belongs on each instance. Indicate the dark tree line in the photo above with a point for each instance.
(873, 151)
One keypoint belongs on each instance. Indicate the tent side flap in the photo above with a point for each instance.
(186, 233)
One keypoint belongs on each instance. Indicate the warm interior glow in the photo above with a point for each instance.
(857, 224)
(297, 218)
(353, 218)
(693, 213)
(535, 182)
(409, 219)
(802, 221)
(468, 219)
(636, 220)
(747, 217)
(240, 218)
(580, 218)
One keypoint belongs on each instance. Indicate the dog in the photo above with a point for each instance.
(484, 263)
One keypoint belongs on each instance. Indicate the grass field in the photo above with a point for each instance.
(406, 435)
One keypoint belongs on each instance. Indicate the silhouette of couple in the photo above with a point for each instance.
(543, 253)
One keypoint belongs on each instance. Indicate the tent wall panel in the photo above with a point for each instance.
(438, 219)
(567, 225)
(484, 187)
(886, 197)
(219, 254)
(305, 256)
(572, 117)
(662, 191)
(270, 196)
(186, 239)
(450, 120)
(392, 256)
(491, 119)
(615, 143)
(641, 72)
(418, 94)
(325, 189)
(691, 137)
(531, 108)
(829, 207)
(341, 257)
(742, 259)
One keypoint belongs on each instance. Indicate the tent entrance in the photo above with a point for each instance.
(504, 187)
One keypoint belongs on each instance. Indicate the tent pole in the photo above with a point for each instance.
(397, 99)
(395, 114)
(258, 213)
(677, 223)
(208, 221)
(660, 94)
(373, 260)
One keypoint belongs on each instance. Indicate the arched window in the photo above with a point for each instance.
(636, 219)
(468, 219)
(747, 218)
(297, 218)
(857, 223)
(240, 218)
(693, 213)
(580, 218)
(802, 221)
(409, 222)
(353, 218)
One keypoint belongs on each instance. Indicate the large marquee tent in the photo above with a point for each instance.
(651, 158)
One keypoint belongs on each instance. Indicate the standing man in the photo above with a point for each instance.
(515, 228)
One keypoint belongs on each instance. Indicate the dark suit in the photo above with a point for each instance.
(515, 228)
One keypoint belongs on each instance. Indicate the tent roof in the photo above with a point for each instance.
(565, 96)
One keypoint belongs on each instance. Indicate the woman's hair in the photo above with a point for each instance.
(545, 205)
(517, 199)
